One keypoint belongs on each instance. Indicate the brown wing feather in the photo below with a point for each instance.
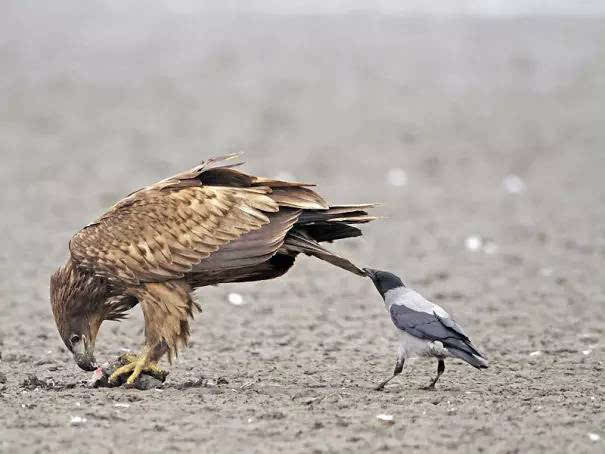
(254, 247)
(157, 235)
(185, 223)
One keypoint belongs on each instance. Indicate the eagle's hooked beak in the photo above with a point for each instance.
(84, 354)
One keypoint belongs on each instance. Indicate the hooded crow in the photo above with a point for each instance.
(425, 329)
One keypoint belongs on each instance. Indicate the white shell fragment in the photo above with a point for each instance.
(536, 353)
(586, 352)
(513, 184)
(385, 418)
(473, 243)
(594, 437)
(77, 420)
(236, 299)
(397, 177)
(121, 405)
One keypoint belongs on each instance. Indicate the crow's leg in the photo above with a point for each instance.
(398, 368)
(440, 370)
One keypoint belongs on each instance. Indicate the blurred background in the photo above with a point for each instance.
(478, 124)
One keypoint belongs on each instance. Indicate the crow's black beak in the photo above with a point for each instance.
(369, 272)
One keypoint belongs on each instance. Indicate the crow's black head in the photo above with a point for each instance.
(383, 280)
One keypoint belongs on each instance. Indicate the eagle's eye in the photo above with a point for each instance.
(74, 339)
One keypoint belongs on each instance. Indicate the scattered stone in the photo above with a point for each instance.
(236, 299)
(32, 382)
(385, 418)
(100, 377)
(77, 420)
(513, 184)
(593, 436)
(397, 177)
(2, 378)
(536, 353)
(473, 243)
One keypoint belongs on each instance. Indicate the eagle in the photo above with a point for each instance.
(209, 225)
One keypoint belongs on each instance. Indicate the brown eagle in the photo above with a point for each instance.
(209, 225)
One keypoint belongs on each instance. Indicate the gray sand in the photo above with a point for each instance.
(93, 108)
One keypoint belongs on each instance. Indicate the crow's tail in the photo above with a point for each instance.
(474, 360)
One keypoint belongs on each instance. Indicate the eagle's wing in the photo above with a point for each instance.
(162, 232)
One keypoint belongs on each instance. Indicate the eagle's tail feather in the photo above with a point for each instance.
(315, 226)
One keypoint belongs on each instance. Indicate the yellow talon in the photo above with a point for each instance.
(136, 364)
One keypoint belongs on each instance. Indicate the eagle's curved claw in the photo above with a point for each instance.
(136, 365)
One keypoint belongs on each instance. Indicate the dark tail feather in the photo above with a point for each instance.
(474, 360)
(298, 242)
(315, 226)
(349, 214)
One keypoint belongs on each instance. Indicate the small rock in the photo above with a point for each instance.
(473, 243)
(100, 377)
(586, 352)
(32, 382)
(536, 353)
(513, 184)
(236, 299)
(593, 436)
(77, 420)
(385, 418)
(397, 177)
(2, 378)
(198, 383)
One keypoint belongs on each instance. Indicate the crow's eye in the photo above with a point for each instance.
(74, 339)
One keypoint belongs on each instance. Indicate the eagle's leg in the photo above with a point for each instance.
(135, 364)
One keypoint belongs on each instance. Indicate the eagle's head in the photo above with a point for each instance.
(78, 304)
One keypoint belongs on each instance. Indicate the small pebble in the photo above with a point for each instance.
(77, 420)
(513, 184)
(586, 352)
(236, 299)
(473, 243)
(536, 353)
(397, 177)
(594, 437)
(385, 418)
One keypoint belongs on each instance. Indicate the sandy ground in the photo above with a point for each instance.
(94, 107)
